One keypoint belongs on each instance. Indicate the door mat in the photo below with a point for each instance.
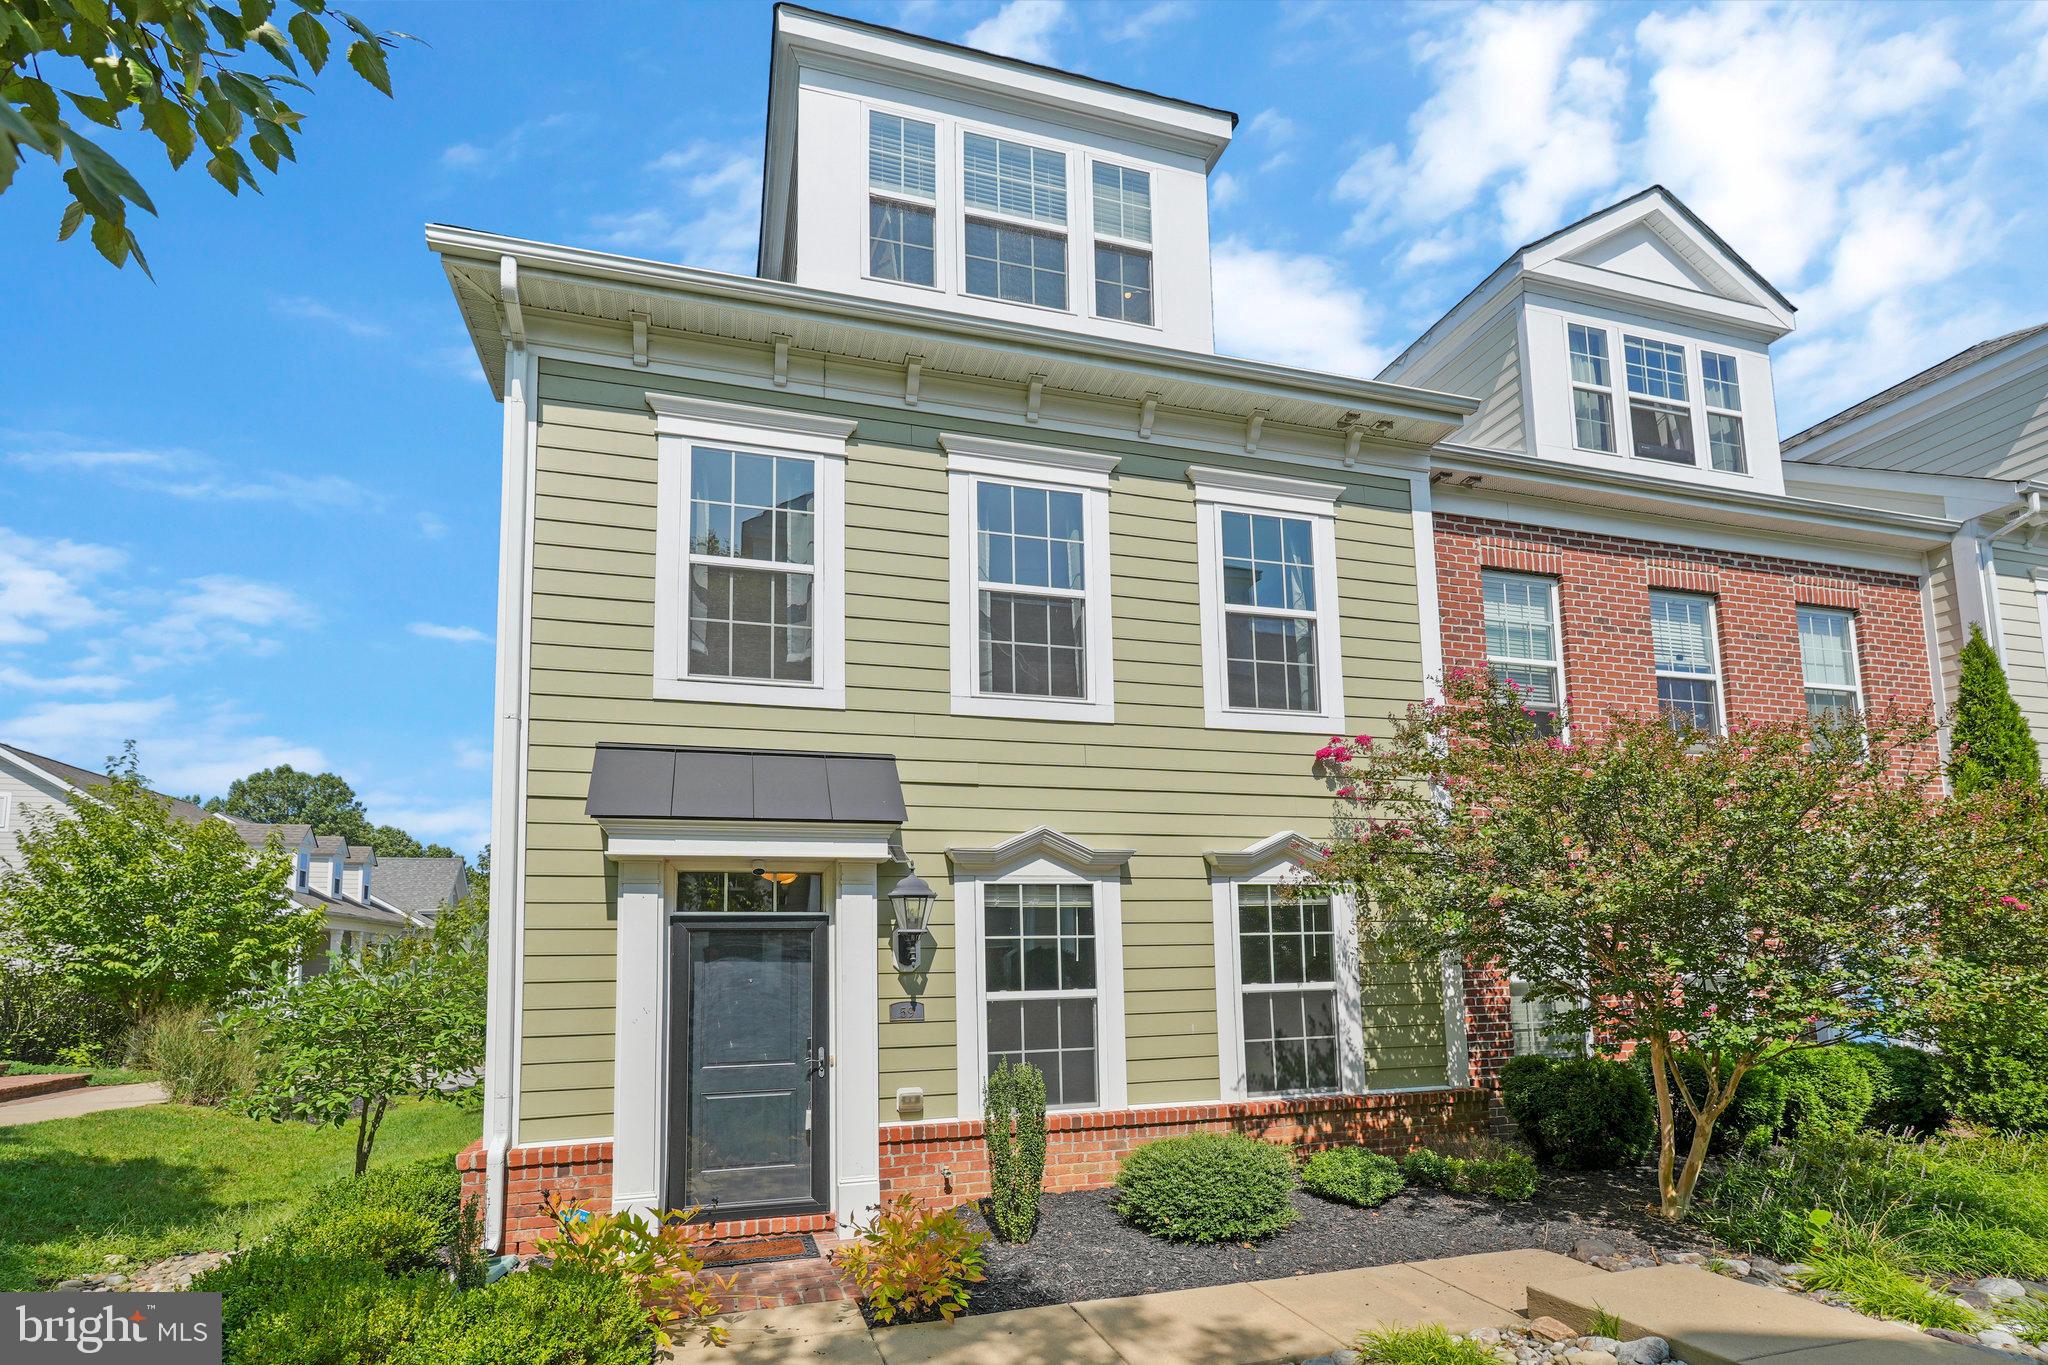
(758, 1249)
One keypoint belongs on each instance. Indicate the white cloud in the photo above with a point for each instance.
(431, 525)
(1022, 29)
(494, 156)
(216, 613)
(461, 635)
(464, 826)
(1224, 189)
(62, 682)
(471, 756)
(1293, 310)
(177, 472)
(709, 215)
(182, 750)
(1519, 112)
(44, 585)
(1139, 24)
(313, 310)
(1271, 123)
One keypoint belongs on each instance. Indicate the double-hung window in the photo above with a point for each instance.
(1722, 390)
(1659, 406)
(1535, 1025)
(1270, 633)
(1522, 641)
(1030, 580)
(1016, 229)
(1827, 659)
(1123, 242)
(902, 190)
(1040, 987)
(1592, 389)
(1687, 661)
(1287, 970)
(749, 591)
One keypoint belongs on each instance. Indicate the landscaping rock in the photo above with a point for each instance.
(1592, 1343)
(1644, 1351)
(1999, 1287)
(1795, 1271)
(1998, 1338)
(1550, 1329)
(1591, 1249)
(157, 1277)
(1959, 1338)
(1581, 1356)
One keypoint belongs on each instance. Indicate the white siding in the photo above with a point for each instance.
(21, 795)
(2003, 435)
(2019, 621)
(1490, 369)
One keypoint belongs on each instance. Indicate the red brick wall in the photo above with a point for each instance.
(1082, 1150)
(1604, 584)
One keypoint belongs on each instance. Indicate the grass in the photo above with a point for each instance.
(2030, 1316)
(167, 1179)
(1606, 1324)
(1430, 1345)
(93, 1075)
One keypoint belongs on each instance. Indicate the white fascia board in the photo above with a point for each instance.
(1575, 281)
(1966, 495)
(766, 839)
(1662, 218)
(35, 771)
(918, 327)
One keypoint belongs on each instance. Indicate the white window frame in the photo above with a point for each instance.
(1039, 862)
(682, 423)
(1275, 861)
(6, 810)
(1713, 657)
(1515, 1031)
(1571, 415)
(1062, 230)
(1555, 664)
(1221, 490)
(1854, 690)
(1144, 246)
(970, 460)
(934, 205)
(1708, 412)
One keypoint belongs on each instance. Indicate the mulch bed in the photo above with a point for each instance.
(1082, 1250)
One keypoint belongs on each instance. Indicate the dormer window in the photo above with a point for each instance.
(1592, 396)
(1724, 413)
(1123, 236)
(903, 182)
(1009, 188)
(1660, 418)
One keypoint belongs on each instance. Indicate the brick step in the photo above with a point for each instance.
(25, 1087)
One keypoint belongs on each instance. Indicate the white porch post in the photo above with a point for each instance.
(856, 1046)
(640, 1073)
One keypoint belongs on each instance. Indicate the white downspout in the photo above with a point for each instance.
(508, 767)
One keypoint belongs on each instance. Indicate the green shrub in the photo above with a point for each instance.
(45, 1020)
(1206, 1187)
(1352, 1175)
(1906, 1083)
(1431, 1345)
(1871, 1270)
(279, 1307)
(430, 1188)
(1014, 1132)
(394, 1240)
(1486, 1168)
(1993, 1087)
(912, 1262)
(197, 1062)
(1800, 1094)
(541, 1317)
(1582, 1113)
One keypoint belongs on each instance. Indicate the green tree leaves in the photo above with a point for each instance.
(1991, 743)
(175, 63)
(285, 796)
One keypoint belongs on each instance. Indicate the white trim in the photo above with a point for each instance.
(6, 810)
(682, 424)
(970, 459)
(1041, 861)
(1555, 664)
(747, 839)
(1221, 490)
(1270, 862)
(1855, 642)
(1717, 676)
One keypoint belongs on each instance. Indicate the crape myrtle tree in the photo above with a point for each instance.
(1713, 901)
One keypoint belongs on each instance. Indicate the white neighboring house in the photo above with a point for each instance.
(342, 881)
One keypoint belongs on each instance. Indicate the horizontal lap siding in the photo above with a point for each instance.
(1157, 781)
(2019, 621)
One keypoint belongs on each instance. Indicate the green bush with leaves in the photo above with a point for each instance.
(1207, 1187)
(1014, 1132)
(658, 1259)
(1431, 1345)
(1803, 1093)
(46, 1020)
(429, 1189)
(556, 1316)
(1352, 1175)
(197, 1061)
(912, 1264)
(280, 1306)
(1905, 1089)
(1484, 1168)
(1990, 742)
(1581, 1113)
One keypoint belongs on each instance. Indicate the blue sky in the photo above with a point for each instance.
(248, 512)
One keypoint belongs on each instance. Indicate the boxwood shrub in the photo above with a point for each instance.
(1206, 1187)
(541, 1317)
(1486, 1168)
(1352, 1175)
(1582, 1113)
(1810, 1093)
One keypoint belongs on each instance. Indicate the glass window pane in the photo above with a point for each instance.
(901, 155)
(1690, 704)
(1656, 369)
(1589, 355)
(1517, 609)
(1718, 375)
(1825, 651)
(1661, 433)
(1009, 177)
(1682, 632)
(739, 624)
(1724, 444)
(1270, 662)
(1593, 420)
(899, 242)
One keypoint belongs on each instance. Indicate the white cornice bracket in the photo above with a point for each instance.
(1254, 425)
(1034, 398)
(913, 371)
(781, 341)
(640, 322)
(1147, 415)
(1352, 436)
(508, 298)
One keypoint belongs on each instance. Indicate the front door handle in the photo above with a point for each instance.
(818, 1063)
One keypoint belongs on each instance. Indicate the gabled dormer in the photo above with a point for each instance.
(357, 862)
(931, 175)
(1635, 339)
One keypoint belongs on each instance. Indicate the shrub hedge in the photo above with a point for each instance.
(1484, 1168)
(1801, 1094)
(541, 1317)
(1352, 1175)
(1206, 1187)
(1907, 1089)
(1582, 1113)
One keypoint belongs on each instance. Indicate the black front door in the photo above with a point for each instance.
(748, 1131)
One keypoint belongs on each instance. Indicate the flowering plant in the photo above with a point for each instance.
(658, 1258)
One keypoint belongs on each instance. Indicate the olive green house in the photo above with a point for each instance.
(944, 557)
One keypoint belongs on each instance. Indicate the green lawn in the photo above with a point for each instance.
(93, 1075)
(171, 1178)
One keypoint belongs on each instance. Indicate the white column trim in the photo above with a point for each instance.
(856, 1045)
(641, 1064)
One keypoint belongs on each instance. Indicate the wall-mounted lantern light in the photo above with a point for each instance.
(911, 901)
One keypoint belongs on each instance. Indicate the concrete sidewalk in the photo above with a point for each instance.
(68, 1104)
(1708, 1320)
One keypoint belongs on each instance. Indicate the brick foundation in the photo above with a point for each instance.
(1082, 1150)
